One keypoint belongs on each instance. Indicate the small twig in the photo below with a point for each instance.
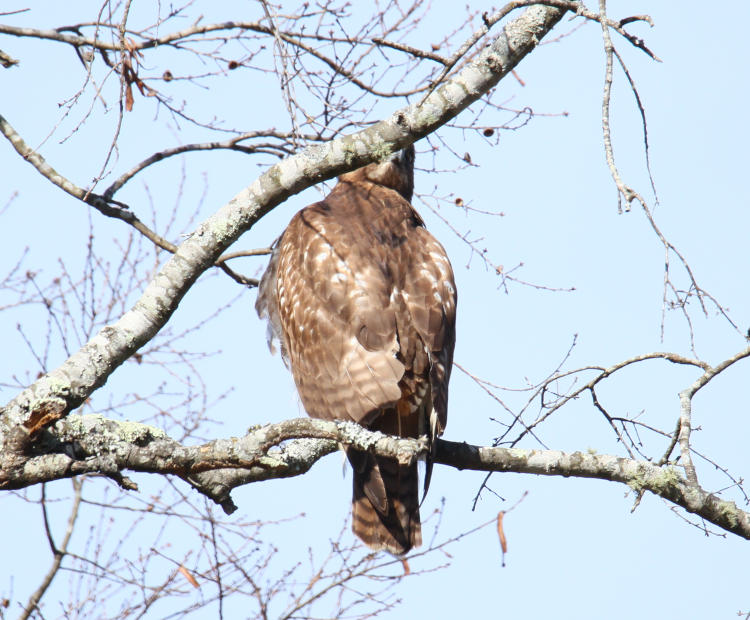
(217, 563)
(113, 209)
(58, 553)
(109, 207)
(644, 124)
(670, 448)
(230, 144)
(417, 53)
(622, 189)
(603, 374)
(604, 412)
(243, 253)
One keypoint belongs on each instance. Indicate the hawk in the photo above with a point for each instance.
(362, 300)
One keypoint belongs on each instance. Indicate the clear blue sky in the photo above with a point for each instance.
(575, 549)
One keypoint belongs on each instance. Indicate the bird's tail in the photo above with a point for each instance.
(385, 505)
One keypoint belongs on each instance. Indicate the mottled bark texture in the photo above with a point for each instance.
(93, 444)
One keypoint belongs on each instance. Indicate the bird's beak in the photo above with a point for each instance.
(404, 157)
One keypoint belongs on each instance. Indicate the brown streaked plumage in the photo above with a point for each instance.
(363, 302)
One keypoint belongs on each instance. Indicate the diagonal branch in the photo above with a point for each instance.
(104, 204)
(566, 5)
(58, 553)
(63, 389)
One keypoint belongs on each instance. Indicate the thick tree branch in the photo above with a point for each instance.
(565, 5)
(94, 444)
(65, 388)
(665, 481)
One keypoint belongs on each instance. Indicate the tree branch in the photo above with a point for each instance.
(664, 481)
(58, 392)
(104, 205)
(58, 553)
(94, 444)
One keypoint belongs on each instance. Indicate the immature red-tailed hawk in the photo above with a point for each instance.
(363, 302)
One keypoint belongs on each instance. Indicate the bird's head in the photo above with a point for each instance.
(396, 172)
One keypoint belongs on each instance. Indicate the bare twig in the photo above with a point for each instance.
(105, 206)
(58, 553)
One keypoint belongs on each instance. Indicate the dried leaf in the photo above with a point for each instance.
(501, 534)
(405, 564)
(233, 64)
(7, 62)
(141, 86)
(186, 573)
(128, 97)
(132, 47)
(488, 132)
